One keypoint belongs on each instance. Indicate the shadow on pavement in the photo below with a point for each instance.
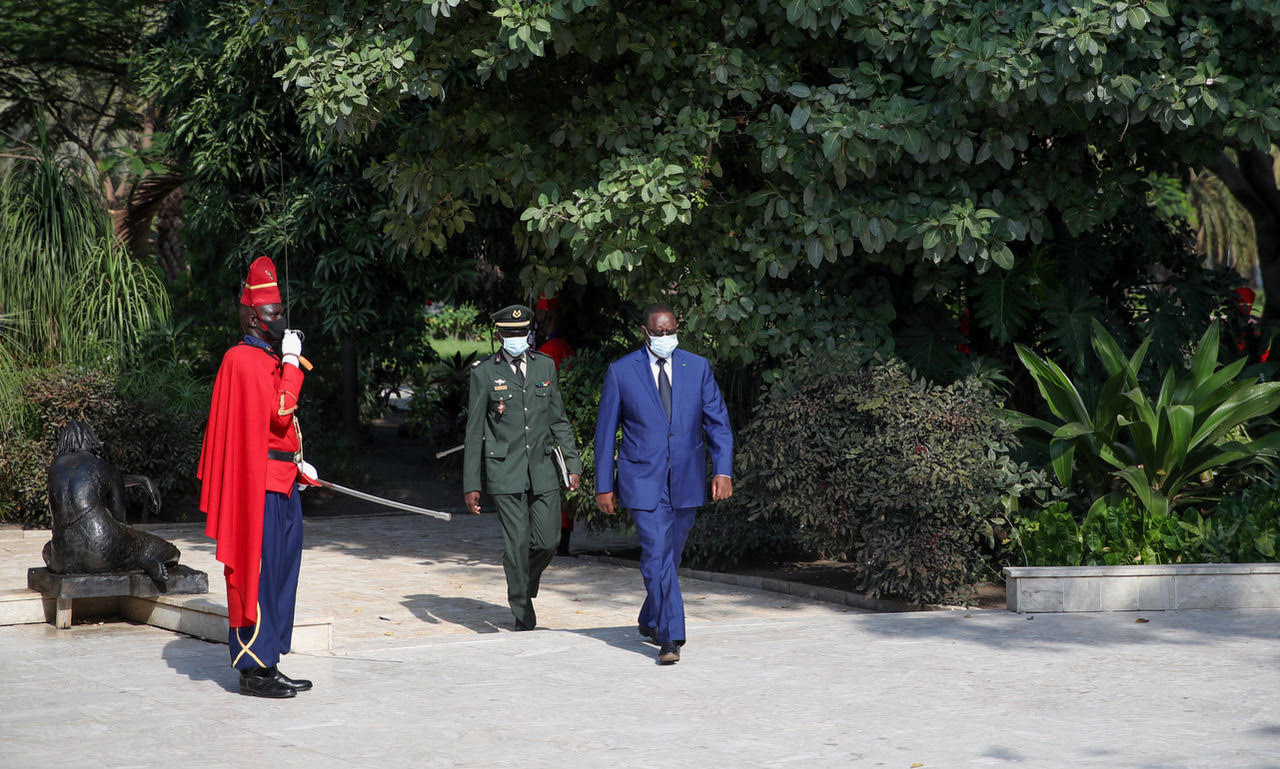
(202, 661)
(455, 610)
(622, 637)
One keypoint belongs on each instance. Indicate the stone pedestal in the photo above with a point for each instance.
(64, 588)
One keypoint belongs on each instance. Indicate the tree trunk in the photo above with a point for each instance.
(1251, 178)
(350, 389)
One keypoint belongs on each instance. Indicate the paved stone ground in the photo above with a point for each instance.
(424, 673)
(1193, 689)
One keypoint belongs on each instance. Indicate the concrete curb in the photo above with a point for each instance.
(1141, 587)
(785, 587)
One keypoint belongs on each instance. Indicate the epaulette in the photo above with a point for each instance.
(477, 363)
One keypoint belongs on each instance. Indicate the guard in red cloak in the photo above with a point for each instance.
(251, 468)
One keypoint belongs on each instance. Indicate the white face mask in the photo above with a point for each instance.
(515, 345)
(663, 346)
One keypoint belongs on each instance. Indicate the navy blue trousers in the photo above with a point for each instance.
(260, 645)
(662, 533)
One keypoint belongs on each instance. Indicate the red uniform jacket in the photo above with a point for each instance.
(254, 397)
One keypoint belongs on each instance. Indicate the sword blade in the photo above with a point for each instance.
(385, 501)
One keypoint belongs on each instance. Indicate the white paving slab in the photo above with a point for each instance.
(937, 689)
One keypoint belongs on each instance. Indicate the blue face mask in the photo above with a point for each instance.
(515, 345)
(663, 346)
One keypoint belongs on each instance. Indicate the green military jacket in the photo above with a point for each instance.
(512, 430)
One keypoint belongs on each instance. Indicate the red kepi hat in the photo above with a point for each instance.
(261, 287)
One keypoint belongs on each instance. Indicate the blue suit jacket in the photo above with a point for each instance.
(653, 450)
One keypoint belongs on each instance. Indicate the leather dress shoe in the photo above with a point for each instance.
(261, 682)
(648, 632)
(668, 653)
(297, 684)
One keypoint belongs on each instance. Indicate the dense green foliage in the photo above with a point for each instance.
(68, 289)
(1147, 463)
(64, 78)
(1244, 528)
(1175, 447)
(580, 380)
(74, 297)
(790, 173)
(139, 436)
(255, 185)
(865, 463)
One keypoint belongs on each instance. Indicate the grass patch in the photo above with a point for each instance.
(446, 348)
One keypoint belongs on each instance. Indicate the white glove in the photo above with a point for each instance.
(308, 474)
(292, 343)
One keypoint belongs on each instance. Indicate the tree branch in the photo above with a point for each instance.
(1241, 187)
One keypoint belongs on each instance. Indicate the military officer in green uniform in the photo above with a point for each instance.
(517, 437)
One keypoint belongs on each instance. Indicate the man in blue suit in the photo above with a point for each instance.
(664, 399)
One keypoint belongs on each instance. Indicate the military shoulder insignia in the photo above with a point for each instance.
(477, 363)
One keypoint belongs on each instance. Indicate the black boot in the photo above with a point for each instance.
(261, 682)
(297, 684)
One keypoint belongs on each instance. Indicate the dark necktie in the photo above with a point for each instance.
(519, 364)
(664, 387)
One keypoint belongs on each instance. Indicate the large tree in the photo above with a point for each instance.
(805, 168)
(257, 183)
(65, 80)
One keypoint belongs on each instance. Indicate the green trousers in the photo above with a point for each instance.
(530, 533)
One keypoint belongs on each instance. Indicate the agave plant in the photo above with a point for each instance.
(1165, 448)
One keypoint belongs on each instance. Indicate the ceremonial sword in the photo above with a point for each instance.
(385, 501)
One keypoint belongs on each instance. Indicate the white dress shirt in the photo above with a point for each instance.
(653, 368)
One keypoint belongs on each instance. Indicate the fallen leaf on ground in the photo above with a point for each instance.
(1141, 619)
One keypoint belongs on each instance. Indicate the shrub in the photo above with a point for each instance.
(462, 321)
(870, 464)
(438, 409)
(1244, 529)
(1138, 458)
(581, 378)
(724, 538)
(1167, 448)
(139, 437)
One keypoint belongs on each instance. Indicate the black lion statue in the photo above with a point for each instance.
(86, 498)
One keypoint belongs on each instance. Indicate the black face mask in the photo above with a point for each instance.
(273, 328)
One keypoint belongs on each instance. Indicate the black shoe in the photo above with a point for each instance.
(259, 682)
(648, 632)
(668, 654)
(297, 684)
(522, 626)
